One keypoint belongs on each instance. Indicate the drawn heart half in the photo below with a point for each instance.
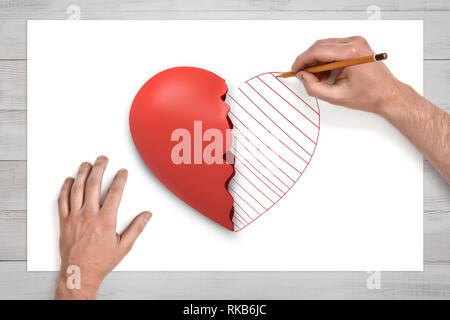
(275, 134)
(179, 117)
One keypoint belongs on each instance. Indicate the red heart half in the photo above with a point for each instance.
(176, 108)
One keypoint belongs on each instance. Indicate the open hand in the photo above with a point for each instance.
(88, 238)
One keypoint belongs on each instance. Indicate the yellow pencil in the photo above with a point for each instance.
(337, 65)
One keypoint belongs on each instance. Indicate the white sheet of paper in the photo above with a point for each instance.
(358, 205)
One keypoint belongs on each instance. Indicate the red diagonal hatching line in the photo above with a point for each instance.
(266, 167)
(294, 93)
(281, 115)
(265, 128)
(243, 210)
(253, 185)
(235, 138)
(274, 122)
(250, 194)
(237, 225)
(260, 141)
(236, 217)
(261, 179)
(237, 129)
(243, 199)
(241, 156)
(287, 102)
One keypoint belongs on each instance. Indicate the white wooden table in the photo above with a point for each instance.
(15, 282)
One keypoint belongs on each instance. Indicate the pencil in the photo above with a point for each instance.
(337, 65)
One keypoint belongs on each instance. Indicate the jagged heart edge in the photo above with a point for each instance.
(230, 177)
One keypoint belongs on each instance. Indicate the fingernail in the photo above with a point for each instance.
(299, 76)
(68, 179)
(101, 158)
(122, 171)
(85, 165)
(147, 217)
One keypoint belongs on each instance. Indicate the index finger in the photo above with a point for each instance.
(94, 182)
(114, 195)
(323, 52)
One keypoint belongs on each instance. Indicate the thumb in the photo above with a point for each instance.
(134, 229)
(314, 87)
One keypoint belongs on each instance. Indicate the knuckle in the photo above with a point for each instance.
(77, 187)
(101, 225)
(105, 222)
(339, 95)
(92, 182)
(359, 39)
(317, 42)
(128, 246)
(88, 212)
(140, 228)
(309, 90)
(115, 189)
(84, 169)
(350, 50)
(72, 221)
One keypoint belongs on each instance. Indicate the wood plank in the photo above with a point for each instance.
(44, 9)
(13, 84)
(12, 135)
(13, 39)
(13, 230)
(436, 197)
(433, 283)
(13, 185)
(436, 81)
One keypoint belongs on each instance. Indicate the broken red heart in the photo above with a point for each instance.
(179, 124)
(182, 107)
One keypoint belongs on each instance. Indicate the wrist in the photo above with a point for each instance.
(75, 286)
(395, 104)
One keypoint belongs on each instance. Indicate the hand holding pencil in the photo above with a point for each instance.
(372, 87)
(360, 85)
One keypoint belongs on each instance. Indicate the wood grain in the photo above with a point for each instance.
(44, 9)
(13, 230)
(12, 135)
(434, 283)
(13, 84)
(436, 23)
(12, 186)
